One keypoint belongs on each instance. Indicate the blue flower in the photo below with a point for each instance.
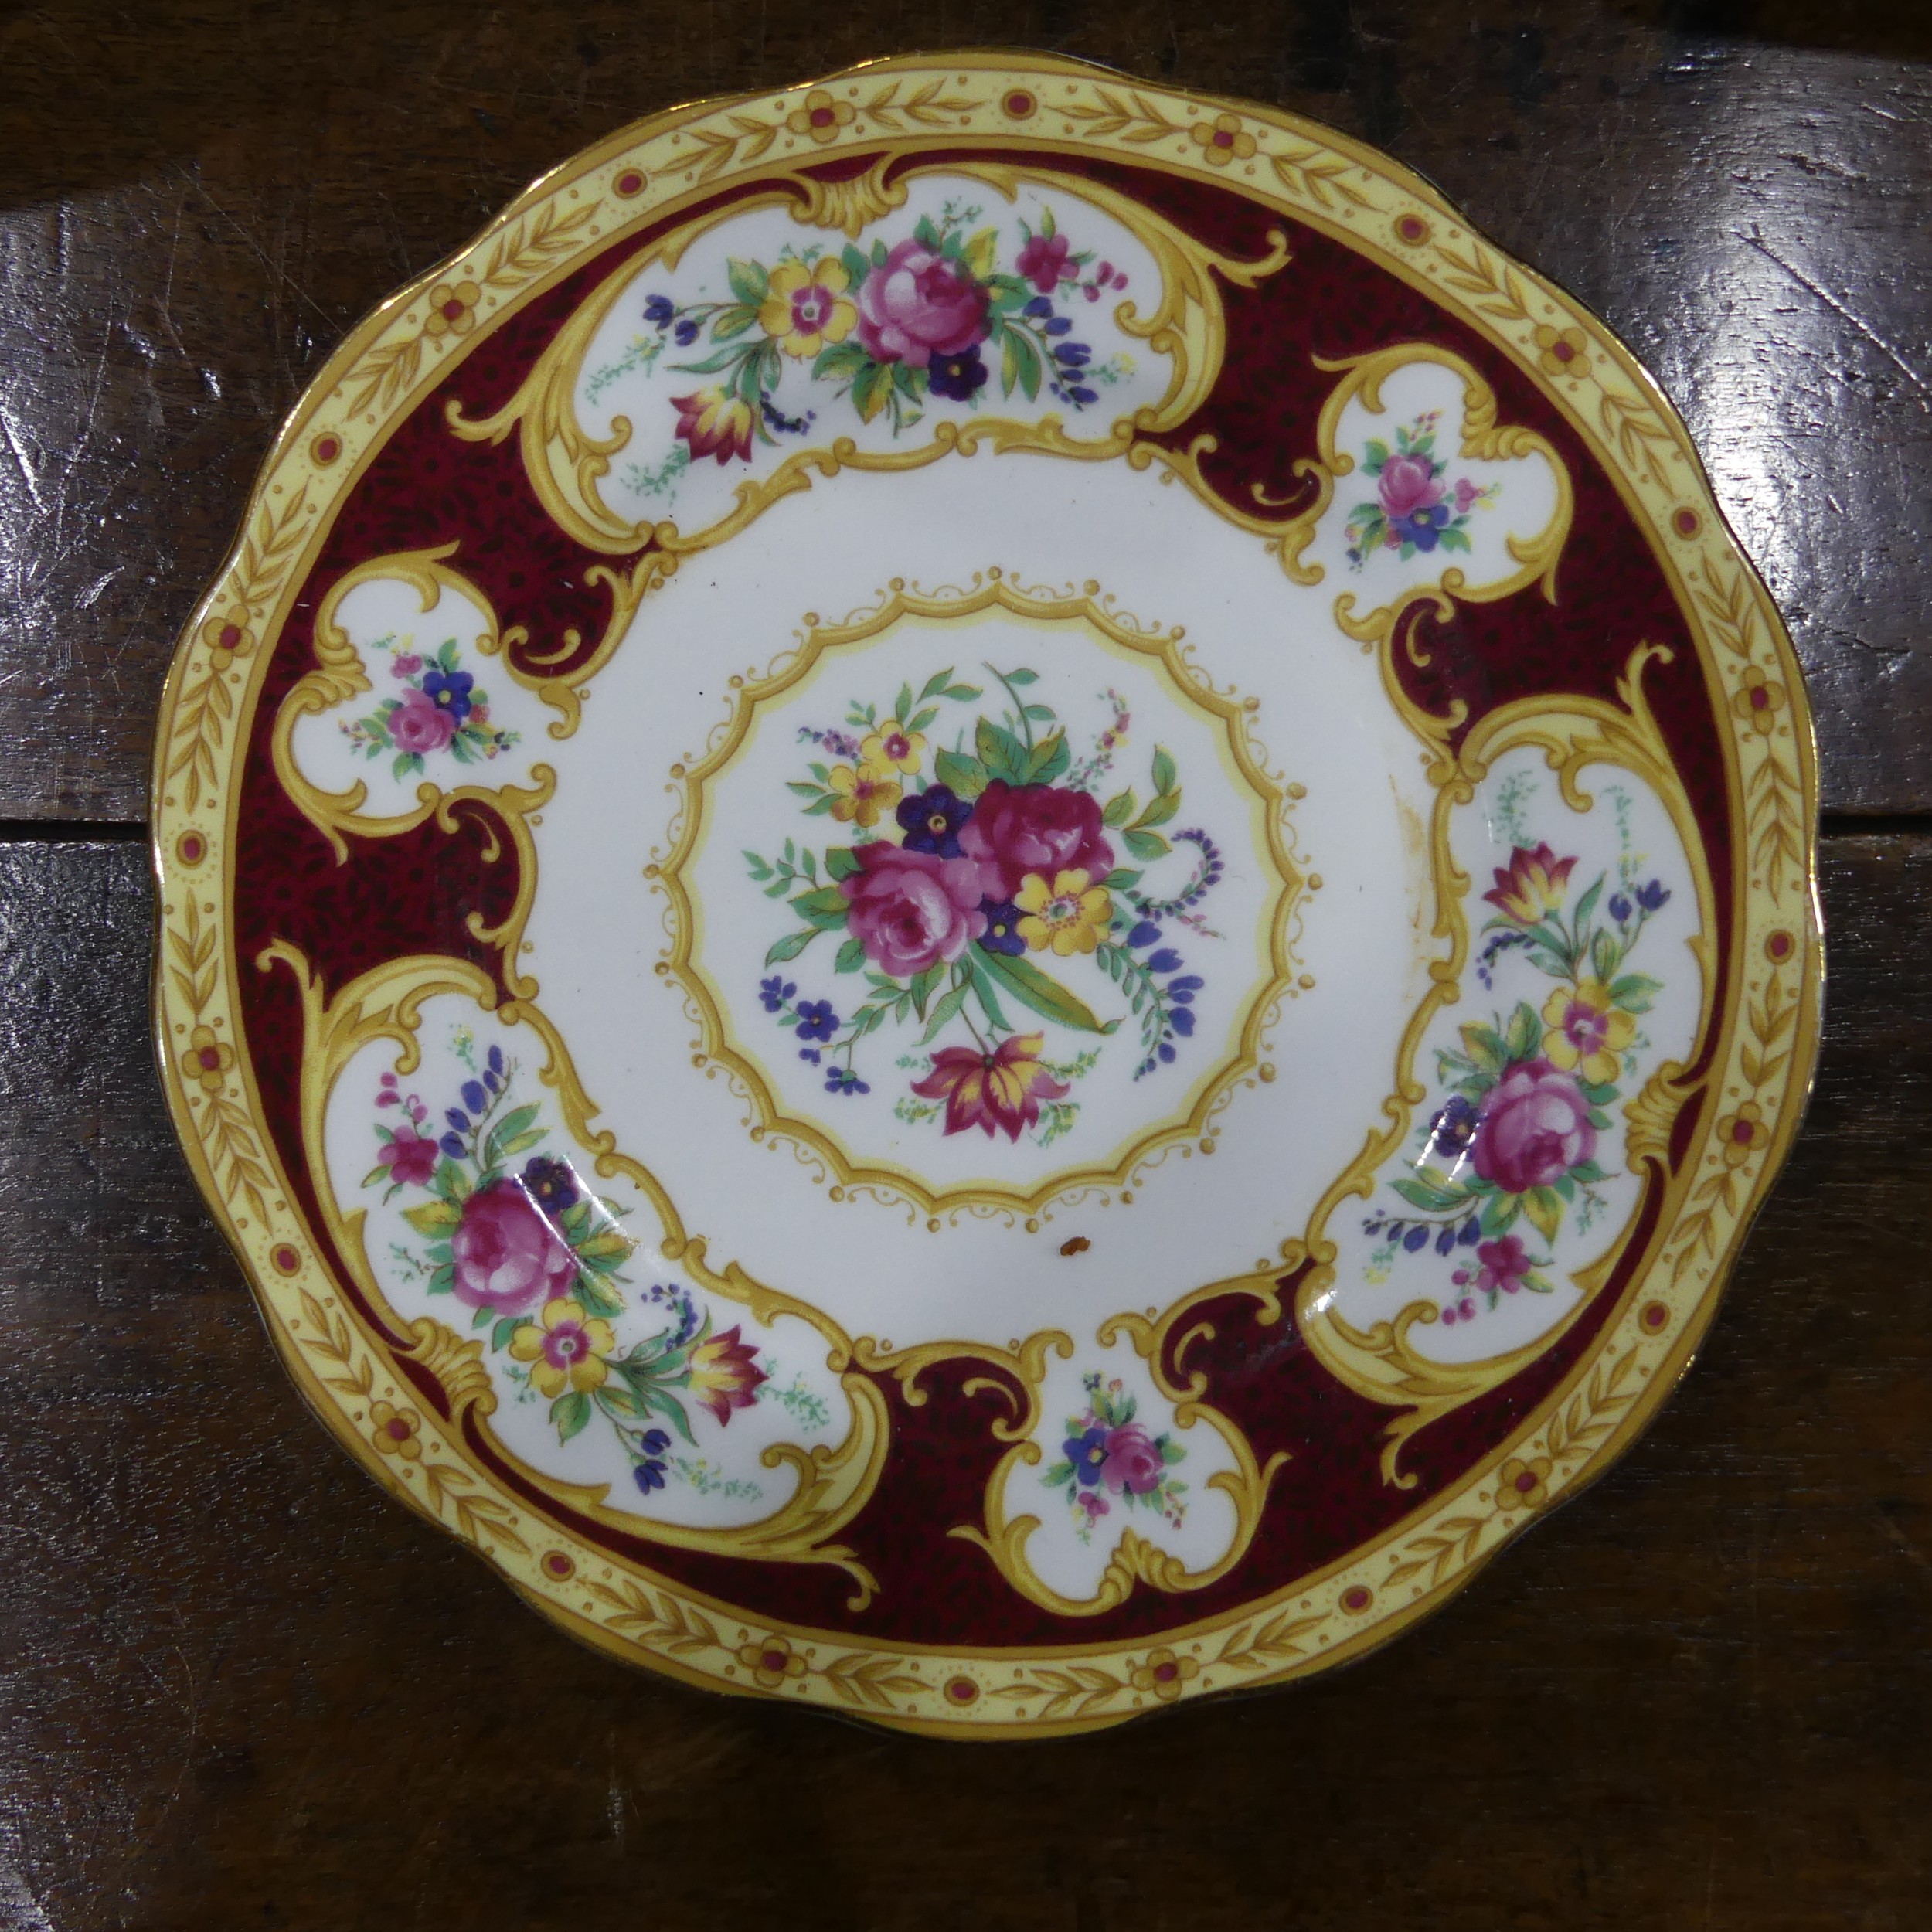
(1182, 990)
(1452, 1130)
(1074, 355)
(956, 377)
(1060, 325)
(1167, 1053)
(845, 1081)
(1039, 305)
(451, 1146)
(686, 333)
(1166, 960)
(1086, 1452)
(1182, 1020)
(809, 1054)
(1144, 934)
(658, 309)
(648, 1476)
(1445, 1241)
(1081, 397)
(931, 821)
(1424, 527)
(1470, 1232)
(655, 1442)
(459, 1120)
(816, 1019)
(1416, 1239)
(495, 1061)
(449, 691)
(1619, 907)
(474, 1096)
(776, 991)
(550, 1183)
(1651, 896)
(1002, 927)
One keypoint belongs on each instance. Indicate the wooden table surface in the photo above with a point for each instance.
(240, 1688)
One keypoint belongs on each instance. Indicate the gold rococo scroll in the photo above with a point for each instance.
(565, 463)
(833, 1483)
(1382, 1362)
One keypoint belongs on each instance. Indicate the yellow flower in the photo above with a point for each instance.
(568, 1350)
(863, 794)
(1523, 1485)
(1164, 1673)
(1742, 1134)
(1071, 916)
(1222, 139)
(1561, 350)
(207, 1059)
(1587, 1032)
(892, 749)
(805, 308)
(452, 308)
(395, 1431)
(820, 117)
(1759, 703)
(772, 1662)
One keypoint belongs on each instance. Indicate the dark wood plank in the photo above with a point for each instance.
(195, 203)
(241, 1688)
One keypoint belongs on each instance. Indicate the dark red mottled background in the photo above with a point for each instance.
(413, 894)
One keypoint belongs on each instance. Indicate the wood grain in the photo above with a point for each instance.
(241, 1687)
(195, 203)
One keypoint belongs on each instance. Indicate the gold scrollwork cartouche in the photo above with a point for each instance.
(993, 590)
(565, 463)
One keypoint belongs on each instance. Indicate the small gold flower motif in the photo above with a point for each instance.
(1742, 1134)
(1163, 1673)
(228, 637)
(820, 117)
(1222, 139)
(1561, 350)
(452, 308)
(1759, 703)
(395, 1431)
(1523, 1485)
(207, 1059)
(771, 1662)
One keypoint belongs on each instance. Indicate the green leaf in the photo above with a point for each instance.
(1118, 809)
(733, 322)
(1526, 1032)
(515, 1122)
(1050, 759)
(871, 388)
(791, 946)
(1163, 769)
(855, 266)
(1485, 1046)
(1544, 1207)
(1160, 809)
(1022, 677)
(825, 908)
(984, 987)
(607, 1244)
(1431, 1200)
(570, 1413)
(840, 862)
(852, 956)
(433, 1217)
(749, 281)
(1121, 880)
(944, 1013)
(1145, 845)
(924, 985)
(841, 361)
(500, 1334)
(1376, 452)
(597, 1299)
(1453, 538)
(1025, 981)
(1001, 753)
(724, 359)
(902, 705)
(521, 1143)
(1602, 955)
(758, 869)
(964, 777)
(1635, 991)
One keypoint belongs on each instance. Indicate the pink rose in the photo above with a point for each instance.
(912, 909)
(408, 1156)
(1131, 1462)
(407, 665)
(508, 1256)
(1034, 828)
(418, 724)
(1534, 1128)
(916, 304)
(1042, 262)
(1408, 484)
